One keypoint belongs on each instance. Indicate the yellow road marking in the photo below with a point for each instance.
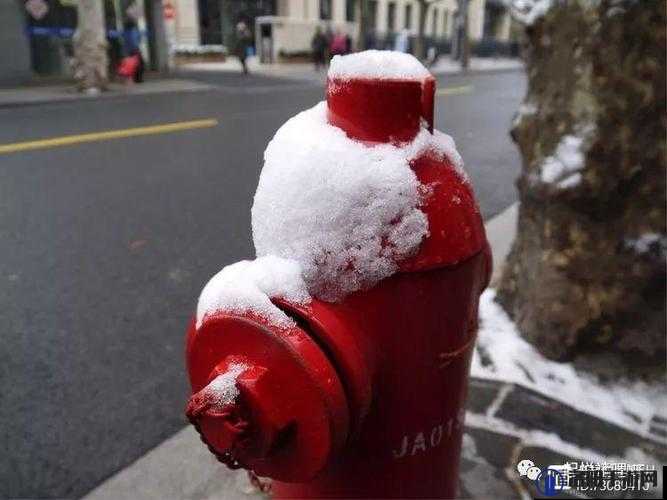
(463, 89)
(106, 135)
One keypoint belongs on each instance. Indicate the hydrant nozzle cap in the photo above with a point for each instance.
(273, 401)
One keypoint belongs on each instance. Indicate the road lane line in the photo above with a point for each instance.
(463, 89)
(106, 135)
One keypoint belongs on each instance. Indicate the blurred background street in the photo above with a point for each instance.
(132, 135)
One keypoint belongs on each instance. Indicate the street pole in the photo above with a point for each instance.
(90, 47)
(465, 41)
(158, 47)
(363, 24)
(420, 45)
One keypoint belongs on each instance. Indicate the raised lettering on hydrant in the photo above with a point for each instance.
(337, 361)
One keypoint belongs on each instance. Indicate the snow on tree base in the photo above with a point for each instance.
(502, 354)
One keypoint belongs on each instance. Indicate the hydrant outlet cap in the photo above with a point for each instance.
(281, 408)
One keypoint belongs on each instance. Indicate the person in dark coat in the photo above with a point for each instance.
(132, 47)
(318, 46)
(338, 45)
(243, 43)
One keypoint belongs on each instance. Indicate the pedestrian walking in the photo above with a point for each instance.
(132, 65)
(338, 45)
(402, 41)
(243, 43)
(318, 45)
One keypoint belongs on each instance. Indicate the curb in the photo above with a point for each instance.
(500, 232)
(38, 96)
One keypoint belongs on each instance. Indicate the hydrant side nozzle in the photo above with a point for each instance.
(289, 395)
(352, 356)
(215, 412)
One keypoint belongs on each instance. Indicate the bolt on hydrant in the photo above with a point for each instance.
(336, 362)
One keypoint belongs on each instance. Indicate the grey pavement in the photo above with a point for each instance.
(105, 247)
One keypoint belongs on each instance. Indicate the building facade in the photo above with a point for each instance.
(284, 28)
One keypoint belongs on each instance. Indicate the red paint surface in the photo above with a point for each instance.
(365, 398)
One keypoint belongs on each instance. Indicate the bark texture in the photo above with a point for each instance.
(585, 279)
(90, 47)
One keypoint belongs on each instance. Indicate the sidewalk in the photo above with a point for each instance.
(305, 71)
(65, 91)
(507, 420)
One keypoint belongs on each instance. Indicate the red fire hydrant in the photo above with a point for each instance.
(360, 395)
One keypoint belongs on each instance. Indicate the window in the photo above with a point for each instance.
(350, 10)
(391, 17)
(325, 10)
(372, 14)
(408, 16)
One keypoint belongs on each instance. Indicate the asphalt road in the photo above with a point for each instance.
(104, 247)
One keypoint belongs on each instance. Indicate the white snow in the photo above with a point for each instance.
(552, 441)
(502, 354)
(185, 48)
(564, 165)
(346, 211)
(525, 109)
(331, 216)
(646, 241)
(445, 146)
(250, 285)
(222, 389)
(382, 64)
(527, 12)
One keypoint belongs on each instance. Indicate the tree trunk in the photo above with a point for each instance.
(420, 44)
(585, 279)
(90, 47)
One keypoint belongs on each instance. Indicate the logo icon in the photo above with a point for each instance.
(548, 482)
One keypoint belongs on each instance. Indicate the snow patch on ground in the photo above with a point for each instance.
(250, 285)
(346, 211)
(382, 64)
(502, 354)
(222, 389)
(540, 439)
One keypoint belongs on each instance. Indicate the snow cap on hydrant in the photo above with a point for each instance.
(356, 195)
